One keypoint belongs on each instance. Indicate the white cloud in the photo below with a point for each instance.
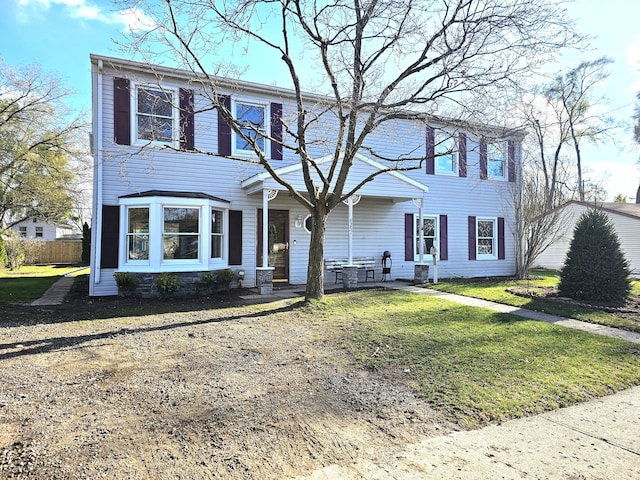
(132, 19)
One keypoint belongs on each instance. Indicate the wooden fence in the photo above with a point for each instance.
(59, 251)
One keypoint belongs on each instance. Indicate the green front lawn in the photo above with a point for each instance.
(29, 282)
(475, 365)
(495, 290)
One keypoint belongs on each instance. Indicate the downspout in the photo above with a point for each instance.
(96, 230)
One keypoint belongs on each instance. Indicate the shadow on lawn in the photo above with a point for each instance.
(46, 345)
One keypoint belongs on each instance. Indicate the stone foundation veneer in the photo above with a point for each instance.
(421, 274)
(264, 280)
(350, 277)
(189, 285)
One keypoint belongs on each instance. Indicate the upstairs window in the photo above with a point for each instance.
(22, 231)
(155, 114)
(446, 154)
(252, 118)
(496, 165)
(39, 232)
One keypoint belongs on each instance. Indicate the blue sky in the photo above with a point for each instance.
(60, 34)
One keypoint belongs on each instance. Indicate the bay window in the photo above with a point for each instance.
(173, 233)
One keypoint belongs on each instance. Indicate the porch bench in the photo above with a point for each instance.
(363, 263)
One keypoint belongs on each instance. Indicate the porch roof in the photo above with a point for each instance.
(393, 185)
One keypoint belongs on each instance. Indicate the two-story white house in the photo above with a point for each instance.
(159, 209)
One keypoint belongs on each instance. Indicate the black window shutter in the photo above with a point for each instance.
(409, 236)
(501, 238)
(511, 160)
(235, 237)
(276, 131)
(187, 130)
(224, 130)
(472, 238)
(110, 236)
(444, 238)
(483, 159)
(462, 155)
(431, 164)
(121, 111)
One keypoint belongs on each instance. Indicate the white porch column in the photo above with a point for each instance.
(418, 202)
(351, 201)
(267, 196)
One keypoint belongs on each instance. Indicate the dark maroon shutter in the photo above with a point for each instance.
(235, 237)
(462, 155)
(483, 159)
(224, 130)
(276, 131)
(121, 111)
(409, 236)
(187, 134)
(110, 236)
(501, 238)
(511, 160)
(431, 164)
(472, 238)
(444, 238)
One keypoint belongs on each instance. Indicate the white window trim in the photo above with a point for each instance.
(501, 147)
(267, 128)
(440, 138)
(175, 112)
(156, 261)
(436, 241)
(488, 256)
(179, 261)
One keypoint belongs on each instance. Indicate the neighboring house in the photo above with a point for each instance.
(625, 218)
(170, 210)
(39, 229)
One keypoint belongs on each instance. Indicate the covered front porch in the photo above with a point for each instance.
(365, 225)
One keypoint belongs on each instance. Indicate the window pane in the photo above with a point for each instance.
(485, 246)
(485, 229)
(181, 220)
(155, 129)
(138, 247)
(496, 168)
(216, 221)
(446, 164)
(138, 220)
(180, 247)
(252, 117)
(138, 233)
(155, 102)
(181, 233)
(216, 246)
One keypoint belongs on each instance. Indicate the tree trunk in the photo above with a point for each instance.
(315, 268)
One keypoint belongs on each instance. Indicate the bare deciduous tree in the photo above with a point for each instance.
(377, 61)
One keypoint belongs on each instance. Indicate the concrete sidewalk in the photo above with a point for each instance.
(56, 292)
(522, 312)
(596, 440)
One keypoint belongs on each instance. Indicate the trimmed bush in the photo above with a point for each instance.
(167, 283)
(127, 283)
(595, 268)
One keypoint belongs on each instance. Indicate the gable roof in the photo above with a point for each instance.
(626, 209)
(389, 184)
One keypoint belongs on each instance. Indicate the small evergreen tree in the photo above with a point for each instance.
(595, 268)
(86, 243)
